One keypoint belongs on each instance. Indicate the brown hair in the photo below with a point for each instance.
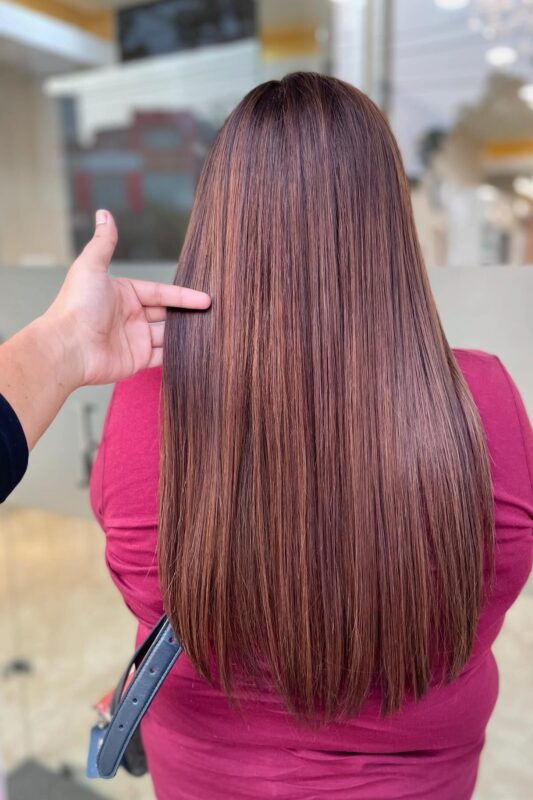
(326, 505)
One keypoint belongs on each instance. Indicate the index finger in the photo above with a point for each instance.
(164, 294)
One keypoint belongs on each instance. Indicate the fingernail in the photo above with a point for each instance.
(101, 217)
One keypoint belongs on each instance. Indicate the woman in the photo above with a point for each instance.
(332, 547)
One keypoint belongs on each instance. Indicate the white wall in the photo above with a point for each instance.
(349, 54)
(209, 81)
(31, 32)
(33, 218)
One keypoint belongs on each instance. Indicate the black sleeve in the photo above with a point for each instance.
(13, 450)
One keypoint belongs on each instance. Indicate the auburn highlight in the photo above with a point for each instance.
(326, 514)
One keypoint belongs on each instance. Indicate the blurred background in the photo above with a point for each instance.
(114, 103)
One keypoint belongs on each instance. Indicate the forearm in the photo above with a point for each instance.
(38, 370)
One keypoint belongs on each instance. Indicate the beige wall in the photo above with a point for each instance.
(33, 218)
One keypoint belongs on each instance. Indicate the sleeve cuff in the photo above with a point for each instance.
(13, 449)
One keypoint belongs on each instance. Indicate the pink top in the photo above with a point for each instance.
(198, 748)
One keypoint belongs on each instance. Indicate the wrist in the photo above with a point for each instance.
(55, 336)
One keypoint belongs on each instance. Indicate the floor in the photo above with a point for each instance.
(33, 780)
(60, 612)
(66, 636)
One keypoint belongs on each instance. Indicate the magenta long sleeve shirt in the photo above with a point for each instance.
(200, 749)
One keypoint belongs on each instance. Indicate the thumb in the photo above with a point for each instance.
(98, 253)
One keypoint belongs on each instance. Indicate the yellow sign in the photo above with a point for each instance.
(286, 42)
(508, 148)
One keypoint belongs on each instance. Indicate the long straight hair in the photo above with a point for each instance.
(326, 514)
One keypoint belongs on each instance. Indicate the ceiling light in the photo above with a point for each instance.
(523, 186)
(452, 5)
(500, 56)
(526, 93)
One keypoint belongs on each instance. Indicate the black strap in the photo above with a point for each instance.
(135, 661)
(153, 660)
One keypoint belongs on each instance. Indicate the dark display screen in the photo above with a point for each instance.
(168, 26)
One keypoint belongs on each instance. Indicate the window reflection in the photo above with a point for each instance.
(146, 173)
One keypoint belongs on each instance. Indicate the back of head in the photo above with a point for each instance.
(325, 497)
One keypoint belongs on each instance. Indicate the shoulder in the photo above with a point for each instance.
(479, 367)
(492, 387)
(504, 417)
